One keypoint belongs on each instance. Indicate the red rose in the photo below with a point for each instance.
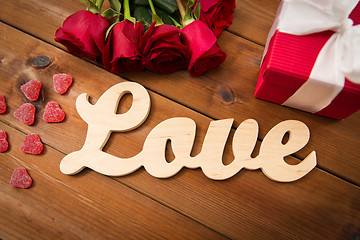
(205, 53)
(217, 14)
(163, 50)
(83, 34)
(121, 52)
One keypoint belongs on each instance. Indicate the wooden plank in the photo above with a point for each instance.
(245, 206)
(84, 206)
(224, 92)
(253, 19)
(227, 91)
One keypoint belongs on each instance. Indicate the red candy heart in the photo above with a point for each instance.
(32, 144)
(62, 82)
(31, 89)
(20, 178)
(3, 142)
(2, 104)
(53, 112)
(25, 113)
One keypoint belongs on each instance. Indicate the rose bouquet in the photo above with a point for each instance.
(159, 35)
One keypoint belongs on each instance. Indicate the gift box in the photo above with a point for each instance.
(306, 66)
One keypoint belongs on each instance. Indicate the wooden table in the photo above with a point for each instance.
(325, 204)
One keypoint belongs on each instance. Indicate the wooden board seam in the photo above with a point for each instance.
(116, 179)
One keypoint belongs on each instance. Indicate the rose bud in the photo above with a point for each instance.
(83, 34)
(163, 50)
(205, 53)
(217, 14)
(121, 51)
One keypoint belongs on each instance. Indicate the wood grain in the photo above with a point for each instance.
(58, 206)
(226, 91)
(252, 19)
(245, 206)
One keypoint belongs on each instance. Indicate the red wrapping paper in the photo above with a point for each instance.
(287, 66)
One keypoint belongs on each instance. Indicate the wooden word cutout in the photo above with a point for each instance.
(102, 120)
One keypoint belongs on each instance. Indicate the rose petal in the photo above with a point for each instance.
(83, 34)
(200, 39)
(163, 49)
(121, 51)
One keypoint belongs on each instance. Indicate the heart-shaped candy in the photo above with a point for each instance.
(2, 104)
(31, 89)
(20, 178)
(32, 144)
(62, 82)
(25, 113)
(4, 145)
(53, 112)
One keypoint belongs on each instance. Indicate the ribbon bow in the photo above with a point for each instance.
(304, 17)
(340, 56)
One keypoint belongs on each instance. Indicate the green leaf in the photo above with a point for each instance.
(142, 2)
(115, 4)
(143, 13)
(175, 23)
(131, 19)
(188, 18)
(110, 13)
(168, 6)
(165, 17)
(197, 11)
(91, 6)
(99, 4)
(109, 30)
(157, 19)
(83, 1)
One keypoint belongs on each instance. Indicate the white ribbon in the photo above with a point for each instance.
(340, 56)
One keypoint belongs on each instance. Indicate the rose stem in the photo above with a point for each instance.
(126, 9)
(152, 7)
(99, 4)
(181, 8)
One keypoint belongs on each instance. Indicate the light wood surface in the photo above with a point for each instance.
(102, 119)
(324, 204)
